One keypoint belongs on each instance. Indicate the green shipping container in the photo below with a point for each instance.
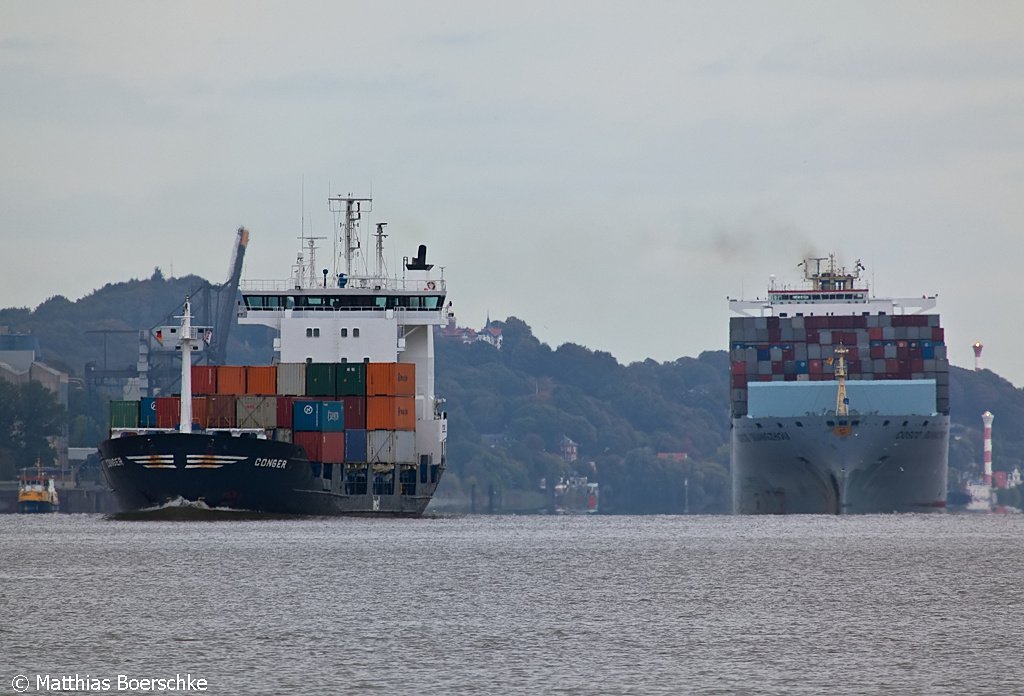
(351, 379)
(321, 379)
(124, 414)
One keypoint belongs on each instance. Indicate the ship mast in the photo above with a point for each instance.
(185, 343)
(353, 209)
(842, 402)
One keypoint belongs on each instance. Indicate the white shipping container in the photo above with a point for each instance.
(291, 379)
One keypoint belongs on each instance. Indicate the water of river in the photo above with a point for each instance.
(902, 604)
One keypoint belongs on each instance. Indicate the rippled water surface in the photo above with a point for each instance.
(525, 605)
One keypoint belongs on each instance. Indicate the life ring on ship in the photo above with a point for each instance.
(430, 285)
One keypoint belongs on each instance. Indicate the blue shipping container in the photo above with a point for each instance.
(332, 416)
(147, 412)
(306, 415)
(355, 445)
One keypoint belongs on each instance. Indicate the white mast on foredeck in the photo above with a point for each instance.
(185, 343)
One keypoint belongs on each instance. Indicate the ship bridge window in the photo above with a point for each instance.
(344, 333)
(355, 333)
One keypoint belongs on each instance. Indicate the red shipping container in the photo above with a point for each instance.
(284, 411)
(877, 352)
(813, 337)
(739, 367)
(311, 441)
(332, 447)
(777, 368)
(355, 412)
(204, 379)
(875, 333)
(916, 365)
(200, 411)
(168, 411)
(738, 382)
(938, 334)
(814, 366)
(222, 410)
(790, 378)
(231, 379)
(892, 366)
(261, 380)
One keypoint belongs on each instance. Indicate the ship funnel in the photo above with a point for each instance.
(419, 263)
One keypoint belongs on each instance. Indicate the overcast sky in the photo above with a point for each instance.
(607, 171)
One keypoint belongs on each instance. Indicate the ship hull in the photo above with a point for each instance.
(37, 506)
(815, 465)
(221, 471)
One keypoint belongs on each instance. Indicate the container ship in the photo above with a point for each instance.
(344, 421)
(840, 400)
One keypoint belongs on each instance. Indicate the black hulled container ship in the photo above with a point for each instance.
(345, 420)
(840, 400)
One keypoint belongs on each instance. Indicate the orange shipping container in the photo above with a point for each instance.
(390, 413)
(200, 411)
(231, 379)
(261, 380)
(204, 379)
(390, 379)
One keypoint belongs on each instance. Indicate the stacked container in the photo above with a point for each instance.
(359, 414)
(802, 348)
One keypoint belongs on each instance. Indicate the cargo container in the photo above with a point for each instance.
(168, 411)
(311, 441)
(355, 412)
(222, 410)
(285, 404)
(390, 379)
(261, 380)
(332, 447)
(291, 379)
(306, 415)
(147, 412)
(390, 413)
(323, 415)
(351, 379)
(204, 380)
(321, 379)
(124, 414)
(231, 380)
(355, 445)
(201, 411)
(256, 411)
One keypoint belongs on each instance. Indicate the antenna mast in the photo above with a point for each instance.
(353, 213)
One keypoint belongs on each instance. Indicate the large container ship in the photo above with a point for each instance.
(840, 400)
(345, 420)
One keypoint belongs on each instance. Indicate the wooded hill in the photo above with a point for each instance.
(510, 409)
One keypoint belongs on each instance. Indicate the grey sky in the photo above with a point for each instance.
(609, 172)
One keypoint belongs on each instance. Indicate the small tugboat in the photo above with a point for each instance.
(37, 491)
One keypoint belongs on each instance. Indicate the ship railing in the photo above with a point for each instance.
(356, 283)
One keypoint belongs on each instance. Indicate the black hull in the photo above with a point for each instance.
(240, 473)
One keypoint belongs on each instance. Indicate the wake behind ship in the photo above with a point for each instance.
(345, 421)
(840, 400)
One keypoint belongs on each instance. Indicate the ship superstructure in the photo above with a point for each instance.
(840, 399)
(344, 422)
